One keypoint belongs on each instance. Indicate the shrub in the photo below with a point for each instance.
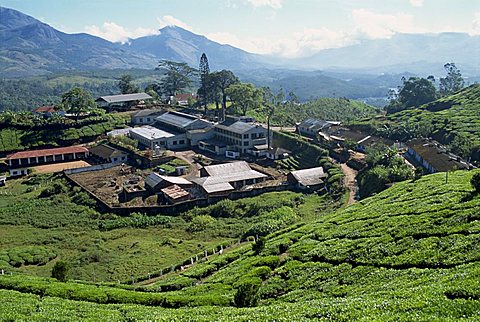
(247, 292)
(475, 181)
(200, 223)
(61, 271)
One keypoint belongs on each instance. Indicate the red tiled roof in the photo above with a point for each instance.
(46, 152)
(45, 109)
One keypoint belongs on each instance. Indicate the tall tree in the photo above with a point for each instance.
(453, 82)
(225, 79)
(178, 76)
(245, 96)
(77, 101)
(204, 70)
(126, 86)
(414, 92)
(212, 86)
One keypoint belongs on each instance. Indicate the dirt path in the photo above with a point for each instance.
(349, 182)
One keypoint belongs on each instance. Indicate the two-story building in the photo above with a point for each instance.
(237, 136)
(145, 117)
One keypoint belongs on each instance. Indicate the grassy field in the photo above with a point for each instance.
(409, 253)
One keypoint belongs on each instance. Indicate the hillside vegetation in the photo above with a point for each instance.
(409, 253)
(333, 109)
(453, 120)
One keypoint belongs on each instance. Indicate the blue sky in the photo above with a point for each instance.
(290, 28)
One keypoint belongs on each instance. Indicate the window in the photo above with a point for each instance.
(174, 143)
(245, 143)
(114, 159)
(245, 136)
(141, 120)
(148, 119)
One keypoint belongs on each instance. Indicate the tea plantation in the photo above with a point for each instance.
(409, 253)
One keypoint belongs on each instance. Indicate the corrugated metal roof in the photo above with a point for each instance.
(237, 127)
(125, 97)
(105, 151)
(153, 180)
(176, 119)
(150, 132)
(227, 168)
(147, 112)
(309, 177)
(47, 152)
(221, 175)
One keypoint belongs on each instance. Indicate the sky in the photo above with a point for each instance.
(288, 28)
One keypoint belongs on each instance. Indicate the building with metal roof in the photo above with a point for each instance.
(222, 178)
(152, 137)
(106, 153)
(239, 136)
(19, 162)
(434, 157)
(311, 127)
(146, 117)
(307, 178)
(181, 121)
(123, 101)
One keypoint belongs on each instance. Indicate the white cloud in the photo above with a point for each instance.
(116, 33)
(475, 24)
(275, 4)
(172, 21)
(298, 44)
(376, 25)
(417, 3)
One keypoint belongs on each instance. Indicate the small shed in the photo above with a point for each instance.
(156, 182)
(277, 153)
(175, 194)
(312, 178)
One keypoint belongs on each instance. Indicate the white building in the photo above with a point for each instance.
(238, 136)
(151, 137)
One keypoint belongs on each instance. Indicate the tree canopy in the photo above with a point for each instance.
(414, 92)
(245, 96)
(77, 101)
(126, 86)
(178, 76)
(453, 82)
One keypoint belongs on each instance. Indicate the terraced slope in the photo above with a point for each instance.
(409, 253)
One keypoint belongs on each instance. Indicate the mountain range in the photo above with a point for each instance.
(30, 47)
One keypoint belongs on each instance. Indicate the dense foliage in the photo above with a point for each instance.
(384, 167)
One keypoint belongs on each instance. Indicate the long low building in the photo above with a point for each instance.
(19, 162)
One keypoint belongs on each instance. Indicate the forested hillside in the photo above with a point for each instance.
(409, 253)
